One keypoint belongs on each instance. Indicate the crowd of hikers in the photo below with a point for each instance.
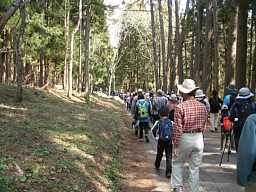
(179, 121)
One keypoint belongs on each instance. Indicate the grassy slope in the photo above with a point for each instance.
(49, 143)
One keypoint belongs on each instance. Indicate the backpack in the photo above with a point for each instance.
(227, 124)
(229, 100)
(244, 110)
(142, 109)
(165, 129)
(202, 101)
(154, 106)
(215, 105)
(161, 103)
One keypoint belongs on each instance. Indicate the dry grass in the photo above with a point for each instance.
(53, 143)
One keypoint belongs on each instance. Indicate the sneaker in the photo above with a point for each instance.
(157, 168)
(136, 132)
(179, 189)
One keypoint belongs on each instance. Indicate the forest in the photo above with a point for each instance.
(67, 43)
(59, 62)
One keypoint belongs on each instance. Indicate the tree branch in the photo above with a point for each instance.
(10, 12)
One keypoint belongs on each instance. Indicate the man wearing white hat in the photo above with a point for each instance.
(240, 110)
(190, 120)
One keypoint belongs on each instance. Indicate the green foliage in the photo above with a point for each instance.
(112, 174)
(4, 4)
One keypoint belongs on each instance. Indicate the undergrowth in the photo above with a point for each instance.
(55, 144)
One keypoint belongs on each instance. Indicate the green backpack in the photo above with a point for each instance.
(142, 109)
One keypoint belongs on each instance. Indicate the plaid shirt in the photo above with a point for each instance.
(189, 115)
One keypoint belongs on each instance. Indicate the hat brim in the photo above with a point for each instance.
(245, 97)
(200, 96)
(185, 90)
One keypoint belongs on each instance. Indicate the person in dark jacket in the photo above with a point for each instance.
(163, 128)
(215, 107)
(246, 159)
(240, 110)
(230, 98)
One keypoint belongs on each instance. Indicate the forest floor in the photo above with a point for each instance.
(51, 143)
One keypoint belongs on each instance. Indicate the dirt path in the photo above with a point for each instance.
(138, 170)
(140, 175)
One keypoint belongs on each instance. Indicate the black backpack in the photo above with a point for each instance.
(244, 110)
(232, 100)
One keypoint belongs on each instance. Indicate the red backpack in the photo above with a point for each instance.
(227, 124)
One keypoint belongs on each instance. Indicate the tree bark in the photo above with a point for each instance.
(18, 37)
(2, 53)
(177, 36)
(46, 70)
(41, 68)
(198, 44)
(86, 34)
(250, 51)
(80, 61)
(155, 61)
(181, 40)
(207, 55)
(192, 63)
(67, 45)
(70, 86)
(215, 44)
(7, 57)
(253, 81)
(231, 46)
(10, 12)
(241, 51)
(162, 35)
(170, 61)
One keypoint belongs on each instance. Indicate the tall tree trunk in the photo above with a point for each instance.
(70, 86)
(231, 46)
(67, 38)
(207, 55)
(86, 33)
(41, 68)
(10, 12)
(177, 35)
(80, 61)
(253, 81)
(250, 51)
(162, 35)
(2, 53)
(170, 61)
(181, 40)
(192, 63)
(46, 70)
(199, 41)
(8, 58)
(18, 38)
(155, 62)
(215, 43)
(241, 51)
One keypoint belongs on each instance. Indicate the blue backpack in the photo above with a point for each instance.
(165, 129)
